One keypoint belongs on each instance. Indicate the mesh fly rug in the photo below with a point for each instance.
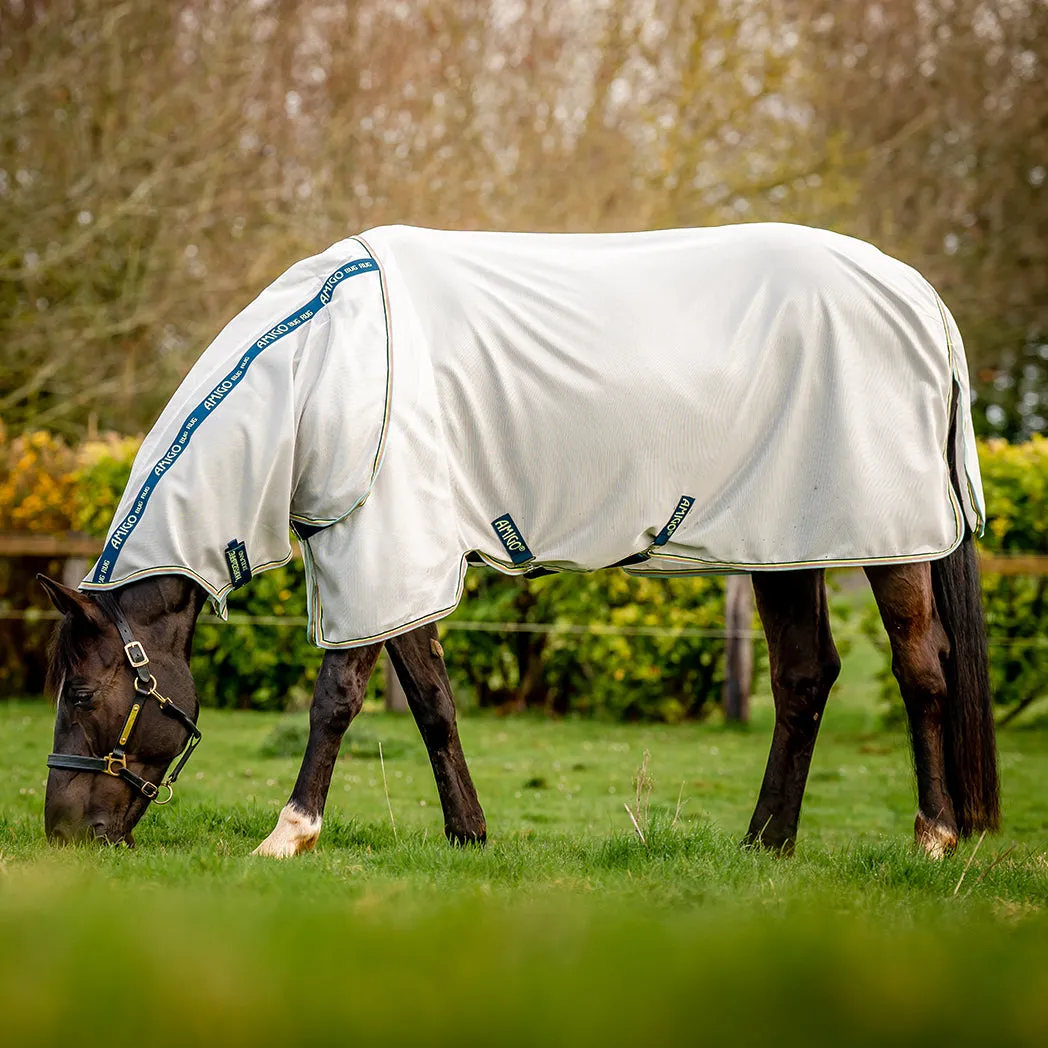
(677, 402)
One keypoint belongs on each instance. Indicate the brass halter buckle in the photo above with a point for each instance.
(136, 654)
(115, 765)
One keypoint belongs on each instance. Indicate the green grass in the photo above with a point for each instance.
(564, 929)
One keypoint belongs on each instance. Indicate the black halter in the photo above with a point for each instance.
(115, 762)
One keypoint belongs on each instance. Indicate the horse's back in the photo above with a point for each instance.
(775, 373)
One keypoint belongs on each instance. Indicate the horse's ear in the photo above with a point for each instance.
(70, 601)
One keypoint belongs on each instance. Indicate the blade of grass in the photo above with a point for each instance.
(960, 880)
(385, 787)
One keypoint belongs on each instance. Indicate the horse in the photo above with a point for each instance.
(413, 401)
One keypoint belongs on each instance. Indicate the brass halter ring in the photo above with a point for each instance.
(148, 687)
(170, 793)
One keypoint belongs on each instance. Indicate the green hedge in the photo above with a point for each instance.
(1015, 481)
(1015, 477)
(629, 677)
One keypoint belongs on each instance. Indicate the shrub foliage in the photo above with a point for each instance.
(1016, 481)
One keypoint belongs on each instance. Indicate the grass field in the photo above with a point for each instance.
(565, 929)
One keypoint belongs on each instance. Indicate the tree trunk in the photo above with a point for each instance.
(738, 649)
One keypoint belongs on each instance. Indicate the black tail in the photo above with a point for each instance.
(968, 726)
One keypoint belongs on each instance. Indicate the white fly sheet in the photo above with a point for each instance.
(688, 401)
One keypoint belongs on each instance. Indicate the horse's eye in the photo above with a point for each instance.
(81, 696)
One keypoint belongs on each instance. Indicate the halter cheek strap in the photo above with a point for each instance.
(115, 762)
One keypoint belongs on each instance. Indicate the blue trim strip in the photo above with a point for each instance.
(107, 561)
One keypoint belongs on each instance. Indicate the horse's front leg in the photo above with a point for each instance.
(337, 698)
(419, 661)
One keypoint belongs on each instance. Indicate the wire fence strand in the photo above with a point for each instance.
(596, 629)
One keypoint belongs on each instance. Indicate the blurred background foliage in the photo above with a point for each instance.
(160, 163)
(628, 677)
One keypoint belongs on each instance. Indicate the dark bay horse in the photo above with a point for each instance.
(409, 399)
(931, 610)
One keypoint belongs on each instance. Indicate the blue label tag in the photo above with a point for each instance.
(511, 538)
(685, 504)
(238, 564)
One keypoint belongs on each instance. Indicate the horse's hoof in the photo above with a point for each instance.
(294, 833)
(935, 838)
(783, 848)
(463, 837)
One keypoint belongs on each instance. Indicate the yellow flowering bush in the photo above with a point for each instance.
(1015, 477)
(103, 466)
(38, 485)
(47, 487)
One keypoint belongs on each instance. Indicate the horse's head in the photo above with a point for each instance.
(120, 720)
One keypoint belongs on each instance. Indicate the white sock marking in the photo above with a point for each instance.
(937, 841)
(295, 832)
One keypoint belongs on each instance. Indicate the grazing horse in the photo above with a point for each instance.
(763, 398)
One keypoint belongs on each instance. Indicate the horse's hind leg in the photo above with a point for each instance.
(337, 698)
(919, 646)
(804, 664)
(418, 659)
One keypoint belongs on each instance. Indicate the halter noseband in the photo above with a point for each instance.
(115, 762)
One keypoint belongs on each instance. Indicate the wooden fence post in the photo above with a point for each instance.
(738, 648)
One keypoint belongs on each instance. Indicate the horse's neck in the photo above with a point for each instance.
(166, 603)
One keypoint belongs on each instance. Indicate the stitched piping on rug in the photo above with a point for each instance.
(509, 568)
(960, 520)
(315, 632)
(380, 449)
(325, 522)
(980, 519)
(217, 596)
(718, 567)
(104, 567)
(317, 626)
(713, 567)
